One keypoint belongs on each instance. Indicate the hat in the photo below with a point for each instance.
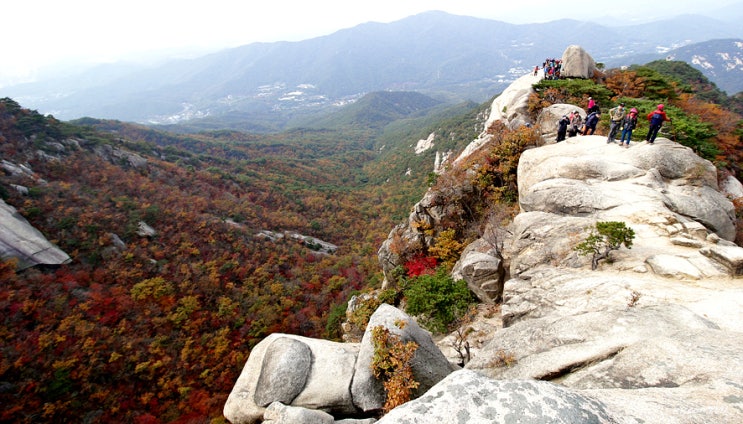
(633, 110)
(621, 104)
(660, 106)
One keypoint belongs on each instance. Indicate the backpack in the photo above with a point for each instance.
(657, 119)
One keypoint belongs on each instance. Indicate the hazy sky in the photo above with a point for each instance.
(40, 32)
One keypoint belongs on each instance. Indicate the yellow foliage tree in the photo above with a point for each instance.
(391, 364)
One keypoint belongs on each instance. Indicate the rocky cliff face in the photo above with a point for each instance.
(652, 335)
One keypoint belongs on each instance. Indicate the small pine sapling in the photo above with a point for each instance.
(607, 236)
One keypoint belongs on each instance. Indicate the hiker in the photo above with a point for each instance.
(562, 128)
(591, 120)
(629, 123)
(576, 121)
(656, 118)
(616, 115)
(591, 105)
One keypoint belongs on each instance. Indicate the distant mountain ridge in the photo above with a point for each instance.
(448, 57)
(720, 60)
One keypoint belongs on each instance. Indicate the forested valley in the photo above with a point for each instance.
(157, 330)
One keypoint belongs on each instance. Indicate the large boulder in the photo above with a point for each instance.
(577, 63)
(665, 192)
(732, 188)
(296, 371)
(468, 397)
(20, 240)
(290, 378)
(428, 364)
(512, 106)
(549, 117)
(481, 266)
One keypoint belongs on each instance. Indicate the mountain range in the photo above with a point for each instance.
(265, 87)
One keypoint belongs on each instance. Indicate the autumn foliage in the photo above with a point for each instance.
(158, 328)
(391, 365)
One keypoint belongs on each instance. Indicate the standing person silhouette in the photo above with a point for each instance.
(629, 123)
(656, 118)
(616, 115)
(591, 120)
(562, 128)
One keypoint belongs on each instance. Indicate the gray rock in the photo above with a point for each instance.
(117, 241)
(732, 188)
(468, 397)
(650, 349)
(549, 117)
(705, 205)
(674, 360)
(548, 348)
(730, 256)
(278, 413)
(120, 157)
(429, 364)
(16, 170)
(538, 238)
(144, 230)
(22, 190)
(565, 188)
(577, 63)
(327, 387)
(511, 108)
(716, 402)
(673, 266)
(687, 242)
(20, 240)
(483, 272)
(284, 372)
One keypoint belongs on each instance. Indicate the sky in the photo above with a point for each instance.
(41, 33)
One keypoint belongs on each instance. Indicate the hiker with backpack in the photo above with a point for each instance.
(615, 115)
(656, 118)
(629, 123)
(591, 120)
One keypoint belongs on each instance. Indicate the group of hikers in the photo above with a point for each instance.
(551, 69)
(573, 124)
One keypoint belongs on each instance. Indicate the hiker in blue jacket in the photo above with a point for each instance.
(591, 120)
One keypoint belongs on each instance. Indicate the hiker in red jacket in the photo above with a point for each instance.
(656, 118)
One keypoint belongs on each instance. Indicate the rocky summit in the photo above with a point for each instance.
(653, 334)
